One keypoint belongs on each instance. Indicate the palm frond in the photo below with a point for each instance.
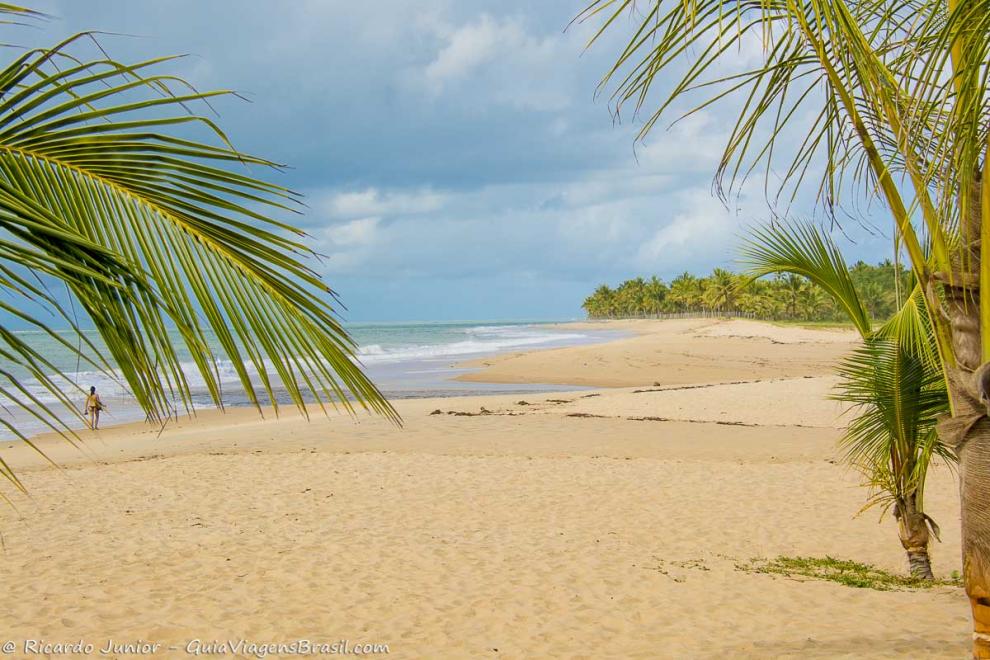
(887, 100)
(105, 188)
(893, 382)
(897, 399)
(911, 328)
(804, 250)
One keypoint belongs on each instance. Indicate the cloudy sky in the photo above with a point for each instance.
(455, 161)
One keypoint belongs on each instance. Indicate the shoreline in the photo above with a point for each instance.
(419, 365)
(633, 338)
(648, 339)
(673, 352)
(527, 523)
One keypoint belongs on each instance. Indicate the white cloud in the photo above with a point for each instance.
(551, 229)
(372, 202)
(702, 229)
(353, 233)
(695, 143)
(500, 59)
(350, 244)
(469, 47)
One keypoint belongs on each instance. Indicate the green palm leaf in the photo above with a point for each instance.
(898, 400)
(893, 383)
(803, 250)
(103, 188)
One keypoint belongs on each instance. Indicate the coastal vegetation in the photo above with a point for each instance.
(876, 100)
(127, 213)
(785, 296)
(893, 382)
(842, 571)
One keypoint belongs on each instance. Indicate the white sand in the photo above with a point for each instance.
(526, 530)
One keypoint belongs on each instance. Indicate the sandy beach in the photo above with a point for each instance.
(610, 522)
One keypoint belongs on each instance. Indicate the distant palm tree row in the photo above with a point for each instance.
(786, 296)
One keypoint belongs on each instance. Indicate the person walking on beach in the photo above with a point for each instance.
(93, 407)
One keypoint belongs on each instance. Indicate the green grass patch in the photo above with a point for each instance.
(843, 571)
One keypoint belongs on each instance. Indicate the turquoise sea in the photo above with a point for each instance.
(405, 359)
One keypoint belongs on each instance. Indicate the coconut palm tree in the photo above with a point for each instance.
(629, 297)
(791, 286)
(116, 188)
(758, 298)
(721, 290)
(600, 304)
(785, 296)
(894, 382)
(685, 293)
(813, 303)
(656, 294)
(886, 99)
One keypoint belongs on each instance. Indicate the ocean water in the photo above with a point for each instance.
(404, 359)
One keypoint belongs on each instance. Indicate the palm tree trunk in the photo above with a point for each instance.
(967, 431)
(974, 484)
(919, 563)
(912, 527)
